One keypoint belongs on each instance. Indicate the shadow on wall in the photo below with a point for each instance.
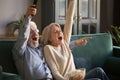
(11, 10)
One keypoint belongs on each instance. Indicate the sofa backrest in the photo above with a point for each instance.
(95, 53)
(6, 59)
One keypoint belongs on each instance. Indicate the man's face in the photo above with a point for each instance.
(56, 35)
(33, 40)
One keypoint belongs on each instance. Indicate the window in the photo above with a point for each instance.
(60, 11)
(86, 19)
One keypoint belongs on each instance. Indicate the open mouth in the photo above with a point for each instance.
(34, 39)
(60, 38)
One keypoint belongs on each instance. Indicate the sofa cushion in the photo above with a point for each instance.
(6, 58)
(0, 72)
(81, 62)
(95, 53)
(10, 76)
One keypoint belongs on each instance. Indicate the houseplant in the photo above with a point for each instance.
(14, 25)
(115, 32)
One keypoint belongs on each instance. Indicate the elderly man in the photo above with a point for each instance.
(27, 51)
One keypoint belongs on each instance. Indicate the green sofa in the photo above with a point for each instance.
(8, 70)
(99, 52)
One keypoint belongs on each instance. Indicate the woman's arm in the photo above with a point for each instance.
(69, 20)
(79, 42)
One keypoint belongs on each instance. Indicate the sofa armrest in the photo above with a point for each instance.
(116, 51)
(0, 72)
(112, 66)
(10, 76)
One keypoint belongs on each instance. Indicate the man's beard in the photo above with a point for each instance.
(33, 45)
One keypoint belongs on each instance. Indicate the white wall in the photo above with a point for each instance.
(11, 10)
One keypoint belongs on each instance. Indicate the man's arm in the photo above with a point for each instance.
(24, 32)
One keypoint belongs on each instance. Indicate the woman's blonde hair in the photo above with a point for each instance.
(47, 33)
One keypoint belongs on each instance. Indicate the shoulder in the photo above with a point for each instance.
(47, 48)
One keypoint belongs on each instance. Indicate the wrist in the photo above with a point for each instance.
(78, 42)
(27, 16)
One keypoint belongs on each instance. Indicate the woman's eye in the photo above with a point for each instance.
(55, 31)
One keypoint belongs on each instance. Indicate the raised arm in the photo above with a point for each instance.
(24, 32)
(69, 20)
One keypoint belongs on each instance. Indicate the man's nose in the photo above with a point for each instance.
(35, 31)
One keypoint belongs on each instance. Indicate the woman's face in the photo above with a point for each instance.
(56, 35)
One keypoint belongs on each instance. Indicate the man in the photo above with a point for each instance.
(27, 51)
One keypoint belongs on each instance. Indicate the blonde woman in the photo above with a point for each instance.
(58, 54)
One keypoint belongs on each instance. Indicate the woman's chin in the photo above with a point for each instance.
(61, 42)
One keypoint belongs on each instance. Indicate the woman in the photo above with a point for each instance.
(53, 35)
(57, 52)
